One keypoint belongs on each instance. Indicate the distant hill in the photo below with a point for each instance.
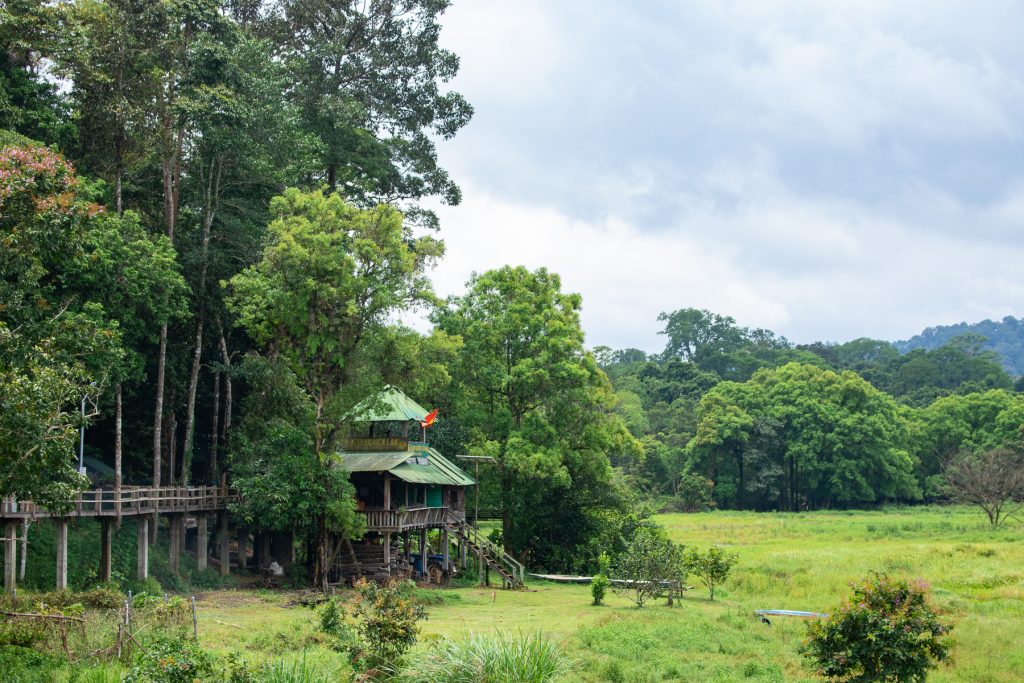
(1005, 337)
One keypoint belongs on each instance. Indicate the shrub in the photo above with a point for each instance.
(495, 658)
(170, 658)
(600, 583)
(386, 625)
(649, 560)
(711, 567)
(887, 631)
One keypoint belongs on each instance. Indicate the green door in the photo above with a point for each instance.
(433, 496)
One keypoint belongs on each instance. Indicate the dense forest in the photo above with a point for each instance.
(1004, 337)
(742, 418)
(211, 212)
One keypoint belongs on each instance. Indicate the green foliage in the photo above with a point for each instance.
(800, 436)
(497, 658)
(328, 279)
(650, 560)
(711, 566)
(386, 625)
(170, 658)
(293, 670)
(600, 583)
(1003, 337)
(531, 397)
(887, 631)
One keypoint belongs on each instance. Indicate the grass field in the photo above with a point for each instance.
(787, 561)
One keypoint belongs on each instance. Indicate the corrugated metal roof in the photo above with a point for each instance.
(434, 468)
(372, 462)
(391, 405)
(424, 465)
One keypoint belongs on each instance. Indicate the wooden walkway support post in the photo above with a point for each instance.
(174, 543)
(225, 545)
(387, 551)
(106, 549)
(406, 546)
(201, 538)
(61, 526)
(10, 556)
(445, 549)
(142, 543)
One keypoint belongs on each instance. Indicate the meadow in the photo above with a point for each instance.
(787, 561)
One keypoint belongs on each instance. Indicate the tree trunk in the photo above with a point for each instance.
(117, 446)
(211, 467)
(212, 192)
(24, 548)
(226, 359)
(190, 409)
(158, 413)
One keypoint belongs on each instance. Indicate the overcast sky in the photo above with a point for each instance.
(827, 169)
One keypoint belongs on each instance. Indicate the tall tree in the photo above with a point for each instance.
(367, 77)
(326, 285)
(535, 400)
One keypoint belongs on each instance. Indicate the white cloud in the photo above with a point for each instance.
(826, 169)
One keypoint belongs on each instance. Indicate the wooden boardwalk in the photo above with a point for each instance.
(144, 503)
(130, 501)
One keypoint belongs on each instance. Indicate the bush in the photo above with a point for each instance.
(493, 658)
(600, 583)
(170, 658)
(385, 625)
(649, 560)
(887, 631)
(711, 567)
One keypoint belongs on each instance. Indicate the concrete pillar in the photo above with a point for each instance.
(61, 527)
(201, 538)
(10, 556)
(406, 547)
(142, 541)
(106, 549)
(387, 551)
(225, 545)
(174, 545)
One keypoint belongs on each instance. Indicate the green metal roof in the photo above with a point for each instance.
(372, 462)
(390, 405)
(432, 469)
(424, 465)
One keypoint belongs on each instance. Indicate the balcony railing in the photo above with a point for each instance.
(413, 518)
(375, 444)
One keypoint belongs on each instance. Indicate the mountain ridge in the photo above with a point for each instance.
(1005, 337)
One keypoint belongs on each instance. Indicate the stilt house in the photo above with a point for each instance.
(413, 497)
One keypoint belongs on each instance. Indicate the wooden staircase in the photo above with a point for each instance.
(512, 573)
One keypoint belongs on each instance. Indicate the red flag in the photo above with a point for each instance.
(429, 419)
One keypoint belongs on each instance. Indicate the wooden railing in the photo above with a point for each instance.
(364, 444)
(131, 500)
(413, 518)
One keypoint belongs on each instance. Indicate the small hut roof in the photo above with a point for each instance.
(390, 405)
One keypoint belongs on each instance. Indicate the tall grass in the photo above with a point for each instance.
(294, 670)
(488, 658)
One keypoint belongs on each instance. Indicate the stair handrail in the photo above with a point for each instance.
(514, 567)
